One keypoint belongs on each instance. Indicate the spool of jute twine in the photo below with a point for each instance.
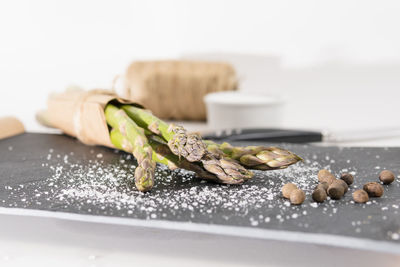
(175, 89)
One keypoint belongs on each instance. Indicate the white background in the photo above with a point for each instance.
(335, 62)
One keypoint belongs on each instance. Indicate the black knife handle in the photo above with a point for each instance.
(267, 135)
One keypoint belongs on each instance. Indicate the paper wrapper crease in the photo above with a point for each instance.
(81, 114)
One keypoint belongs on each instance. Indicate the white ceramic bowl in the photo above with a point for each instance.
(233, 110)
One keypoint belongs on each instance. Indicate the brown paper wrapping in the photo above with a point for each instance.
(10, 126)
(175, 89)
(81, 114)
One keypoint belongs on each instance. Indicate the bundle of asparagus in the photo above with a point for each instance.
(152, 140)
(99, 117)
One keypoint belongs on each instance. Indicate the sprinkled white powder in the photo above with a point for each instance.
(253, 223)
(105, 185)
(97, 187)
(395, 236)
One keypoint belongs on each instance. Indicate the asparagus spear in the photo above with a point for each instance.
(162, 155)
(144, 173)
(189, 146)
(227, 170)
(255, 157)
(121, 142)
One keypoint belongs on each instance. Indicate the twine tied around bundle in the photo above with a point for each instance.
(175, 89)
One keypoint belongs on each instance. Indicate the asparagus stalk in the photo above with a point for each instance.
(255, 157)
(121, 142)
(189, 146)
(144, 173)
(163, 155)
(227, 170)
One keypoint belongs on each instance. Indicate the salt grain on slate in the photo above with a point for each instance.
(395, 236)
(100, 188)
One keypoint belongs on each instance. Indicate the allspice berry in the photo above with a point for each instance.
(297, 197)
(319, 195)
(326, 176)
(347, 177)
(287, 189)
(360, 196)
(324, 186)
(373, 189)
(386, 177)
(344, 184)
(336, 190)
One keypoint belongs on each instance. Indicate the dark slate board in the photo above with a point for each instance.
(56, 173)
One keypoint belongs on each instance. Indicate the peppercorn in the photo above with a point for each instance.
(287, 189)
(348, 178)
(344, 184)
(297, 196)
(324, 186)
(360, 196)
(326, 176)
(319, 195)
(386, 177)
(336, 190)
(373, 189)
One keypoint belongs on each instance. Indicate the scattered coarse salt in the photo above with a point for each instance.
(100, 188)
(395, 236)
(254, 223)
